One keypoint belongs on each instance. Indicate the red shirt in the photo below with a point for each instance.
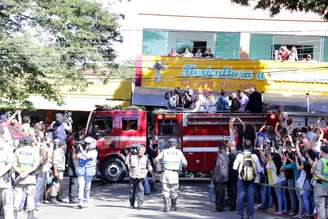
(325, 133)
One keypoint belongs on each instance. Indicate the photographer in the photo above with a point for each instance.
(139, 165)
(86, 155)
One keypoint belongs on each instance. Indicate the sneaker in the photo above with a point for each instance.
(85, 205)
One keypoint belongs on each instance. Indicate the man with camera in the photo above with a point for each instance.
(86, 157)
(139, 165)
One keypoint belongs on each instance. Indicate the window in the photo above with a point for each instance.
(168, 128)
(101, 127)
(154, 43)
(183, 45)
(227, 45)
(130, 124)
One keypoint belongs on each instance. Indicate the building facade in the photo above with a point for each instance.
(231, 31)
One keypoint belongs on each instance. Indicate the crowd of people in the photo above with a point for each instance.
(198, 54)
(33, 160)
(278, 169)
(284, 54)
(248, 101)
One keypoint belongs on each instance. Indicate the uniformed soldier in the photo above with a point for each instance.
(58, 164)
(320, 173)
(172, 160)
(6, 164)
(26, 162)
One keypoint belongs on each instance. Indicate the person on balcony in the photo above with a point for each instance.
(173, 53)
(199, 53)
(208, 53)
(187, 53)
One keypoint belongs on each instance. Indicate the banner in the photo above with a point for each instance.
(215, 74)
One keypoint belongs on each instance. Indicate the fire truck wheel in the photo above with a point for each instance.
(114, 170)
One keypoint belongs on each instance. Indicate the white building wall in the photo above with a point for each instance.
(206, 15)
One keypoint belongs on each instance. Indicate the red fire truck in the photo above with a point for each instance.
(199, 135)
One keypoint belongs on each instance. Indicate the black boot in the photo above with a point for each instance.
(174, 205)
(166, 204)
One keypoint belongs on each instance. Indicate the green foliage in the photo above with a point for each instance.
(45, 44)
(317, 6)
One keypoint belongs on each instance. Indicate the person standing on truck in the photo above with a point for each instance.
(139, 165)
(60, 127)
(171, 159)
(221, 177)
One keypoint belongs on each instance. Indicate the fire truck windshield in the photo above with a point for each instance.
(168, 128)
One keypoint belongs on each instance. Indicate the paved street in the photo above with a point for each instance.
(111, 201)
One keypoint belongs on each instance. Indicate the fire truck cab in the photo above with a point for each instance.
(115, 131)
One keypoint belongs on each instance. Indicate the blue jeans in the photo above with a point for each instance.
(308, 199)
(292, 194)
(84, 189)
(242, 188)
(266, 198)
(39, 188)
(281, 196)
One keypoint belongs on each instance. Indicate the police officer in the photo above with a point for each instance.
(139, 165)
(320, 173)
(58, 165)
(6, 164)
(26, 162)
(172, 159)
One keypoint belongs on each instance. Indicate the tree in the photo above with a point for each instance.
(317, 6)
(45, 44)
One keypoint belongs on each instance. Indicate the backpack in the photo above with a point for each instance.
(247, 169)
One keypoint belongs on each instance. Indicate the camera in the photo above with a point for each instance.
(77, 143)
(134, 149)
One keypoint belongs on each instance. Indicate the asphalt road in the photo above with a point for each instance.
(111, 201)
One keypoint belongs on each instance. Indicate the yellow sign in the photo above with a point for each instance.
(216, 74)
